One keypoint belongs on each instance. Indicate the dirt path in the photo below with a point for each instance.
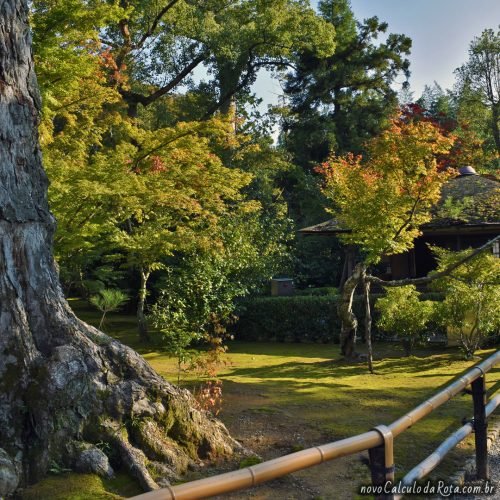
(272, 431)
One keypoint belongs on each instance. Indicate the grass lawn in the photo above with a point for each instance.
(309, 396)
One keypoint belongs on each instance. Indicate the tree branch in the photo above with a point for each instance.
(161, 146)
(251, 67)
(173, 83)
(407, 222)
(432, 277)
(145, 100)
(155, 23)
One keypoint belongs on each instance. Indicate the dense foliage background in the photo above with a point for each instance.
(163, 167)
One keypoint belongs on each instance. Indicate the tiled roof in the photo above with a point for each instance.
(329, 227)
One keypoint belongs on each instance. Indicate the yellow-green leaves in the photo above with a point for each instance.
(385, 198)
(470, 308)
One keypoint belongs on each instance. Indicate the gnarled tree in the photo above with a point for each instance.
(64, 384)
(383, 201)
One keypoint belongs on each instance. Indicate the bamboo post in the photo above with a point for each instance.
(480, 427)
(382, 463)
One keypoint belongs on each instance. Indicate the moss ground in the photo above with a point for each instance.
(311, 385)
(81, 487)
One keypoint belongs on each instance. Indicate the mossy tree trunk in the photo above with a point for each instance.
(142, 323)
(348, 318)
(368, 324)
(62, 382)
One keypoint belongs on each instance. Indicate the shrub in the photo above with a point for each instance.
(472, 293)
(299, 318)
(403, 313)
(108, 300)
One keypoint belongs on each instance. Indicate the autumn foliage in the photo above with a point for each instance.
(385, 197)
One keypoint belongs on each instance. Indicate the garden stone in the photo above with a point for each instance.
(93, 460)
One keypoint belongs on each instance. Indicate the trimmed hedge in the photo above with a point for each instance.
(294, 319)
(324, 290)
(302, 318)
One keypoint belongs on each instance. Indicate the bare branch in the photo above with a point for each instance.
(432, 277)
(145, 100)
(173, 83)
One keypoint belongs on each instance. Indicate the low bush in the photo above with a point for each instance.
(299, 318)
(311, 317)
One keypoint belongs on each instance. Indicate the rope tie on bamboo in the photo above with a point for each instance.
(252, 473)
(171, 491)
(321, 453)
(387, 440)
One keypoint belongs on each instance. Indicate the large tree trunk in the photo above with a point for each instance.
(368, 324)
(62, 382)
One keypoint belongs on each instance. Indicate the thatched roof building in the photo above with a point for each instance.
(467, 215)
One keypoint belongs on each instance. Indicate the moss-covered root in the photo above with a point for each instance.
(134, 460)
(156, 428)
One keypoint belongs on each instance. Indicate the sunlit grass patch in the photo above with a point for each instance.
(311, 383)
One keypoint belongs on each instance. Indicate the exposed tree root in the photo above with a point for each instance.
(63, 384)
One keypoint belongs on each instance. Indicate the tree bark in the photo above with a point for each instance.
(349, 321)
(368, 324)
(141, 318)
(495, 112)
(63, 382)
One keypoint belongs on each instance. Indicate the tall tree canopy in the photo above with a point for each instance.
(478, 81)
(333, 104)
(341, 100)
(465, 119)
(153, 48)
(141, 166)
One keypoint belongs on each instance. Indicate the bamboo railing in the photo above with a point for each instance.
(379, 442)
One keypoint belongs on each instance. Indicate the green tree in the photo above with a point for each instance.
(404, 314)
(478, 80)
(472, 294)
(154, 47)
(383, 200)
(108, 300)
(462, 118)
(198, 293)
(183, 191)
(341, 100)
(334, 104)
(134, 177)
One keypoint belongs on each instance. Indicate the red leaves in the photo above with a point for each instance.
(109, 64)
(157, 165)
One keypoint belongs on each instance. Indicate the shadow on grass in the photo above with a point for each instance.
(351, 411)
(419, 366)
